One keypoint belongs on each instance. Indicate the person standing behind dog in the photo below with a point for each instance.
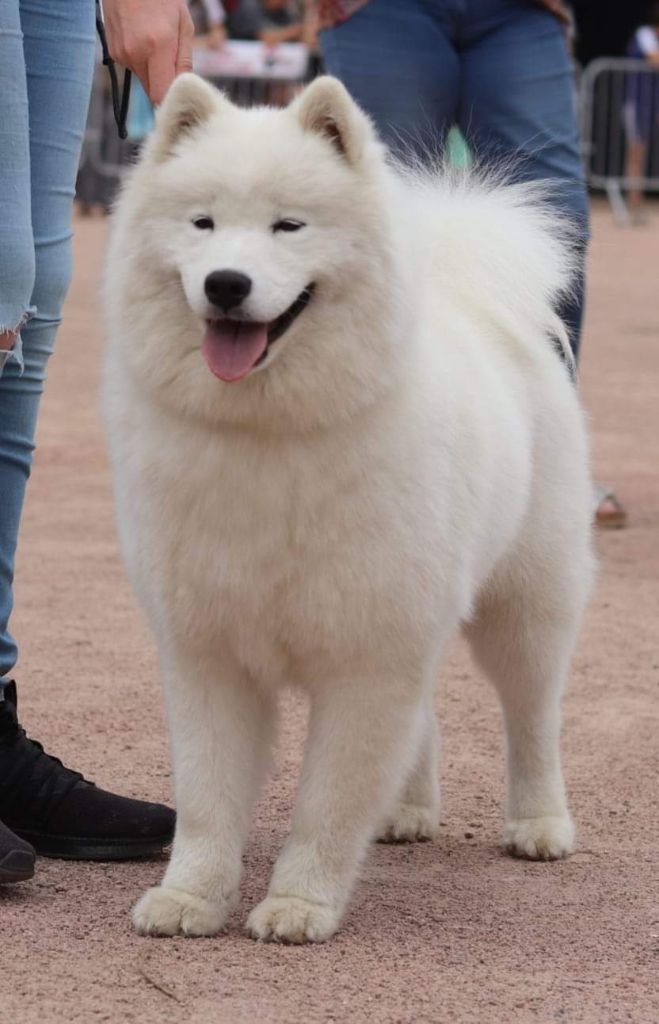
(641, 108)
(498, 69)
(46, 65)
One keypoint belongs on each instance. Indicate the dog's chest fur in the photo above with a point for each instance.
(283, 554)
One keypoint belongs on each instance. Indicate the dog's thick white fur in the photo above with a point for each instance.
(409, 458)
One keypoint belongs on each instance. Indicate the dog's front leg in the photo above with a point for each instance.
(362, 738)
(221, 730)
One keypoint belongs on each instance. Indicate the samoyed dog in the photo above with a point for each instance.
(340, 431)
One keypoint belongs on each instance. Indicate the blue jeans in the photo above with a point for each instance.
(499, 69)
(46, 63)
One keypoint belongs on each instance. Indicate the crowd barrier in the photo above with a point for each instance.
(619, 109)
(618, 99)
(248, 73)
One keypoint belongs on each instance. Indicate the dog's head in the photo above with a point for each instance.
(250, 266)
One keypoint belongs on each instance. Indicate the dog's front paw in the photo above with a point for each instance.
(540, 838)
(410, 824)
(291, 919)
(165, 911)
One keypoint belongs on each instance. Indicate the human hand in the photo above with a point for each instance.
(151, 37)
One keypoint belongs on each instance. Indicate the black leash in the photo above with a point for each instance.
(119, 102)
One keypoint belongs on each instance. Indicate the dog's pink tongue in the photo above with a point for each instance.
(232, 347)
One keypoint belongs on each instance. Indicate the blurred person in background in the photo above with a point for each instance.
(210, 22)
(270, 21)
(641, 109)
(46, 65)
(501, 71)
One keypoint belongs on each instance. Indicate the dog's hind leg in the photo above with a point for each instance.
(221, 729)
(361, 732)
(415, 816)
(523, 635)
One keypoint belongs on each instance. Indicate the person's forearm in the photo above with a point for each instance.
(292, 33)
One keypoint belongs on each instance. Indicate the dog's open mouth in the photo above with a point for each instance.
(232, 348)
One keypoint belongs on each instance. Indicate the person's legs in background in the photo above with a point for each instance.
(637, 115)
(397, 61)
(518, 109)
(502, 70)
(46, 63)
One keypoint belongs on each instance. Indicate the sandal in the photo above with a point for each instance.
(609, 512)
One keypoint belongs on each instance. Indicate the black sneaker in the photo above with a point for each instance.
(16, 857)
(62, 814)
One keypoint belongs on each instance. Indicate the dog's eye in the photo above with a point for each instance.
(288, 224)
(204, 223)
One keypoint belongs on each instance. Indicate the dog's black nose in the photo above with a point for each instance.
(227, 288)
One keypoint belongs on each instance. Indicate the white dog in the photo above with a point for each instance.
(340, 430)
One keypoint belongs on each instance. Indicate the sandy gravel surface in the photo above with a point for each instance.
(446, 932)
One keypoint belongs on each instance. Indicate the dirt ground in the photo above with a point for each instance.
(452, 931)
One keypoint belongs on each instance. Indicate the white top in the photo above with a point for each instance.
(646, 40)
(214, 11)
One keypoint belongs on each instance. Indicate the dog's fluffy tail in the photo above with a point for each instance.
(503, 249)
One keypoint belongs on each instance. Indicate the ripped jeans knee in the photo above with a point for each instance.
(17, 303)
(11, 345)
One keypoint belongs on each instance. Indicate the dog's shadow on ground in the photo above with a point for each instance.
(462, 877)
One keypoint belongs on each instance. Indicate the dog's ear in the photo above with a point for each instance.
(326, 108)
(189, 103)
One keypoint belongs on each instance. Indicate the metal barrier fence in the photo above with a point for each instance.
(248, 92)
(619, 112)
(619, 100)
(104, 156)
